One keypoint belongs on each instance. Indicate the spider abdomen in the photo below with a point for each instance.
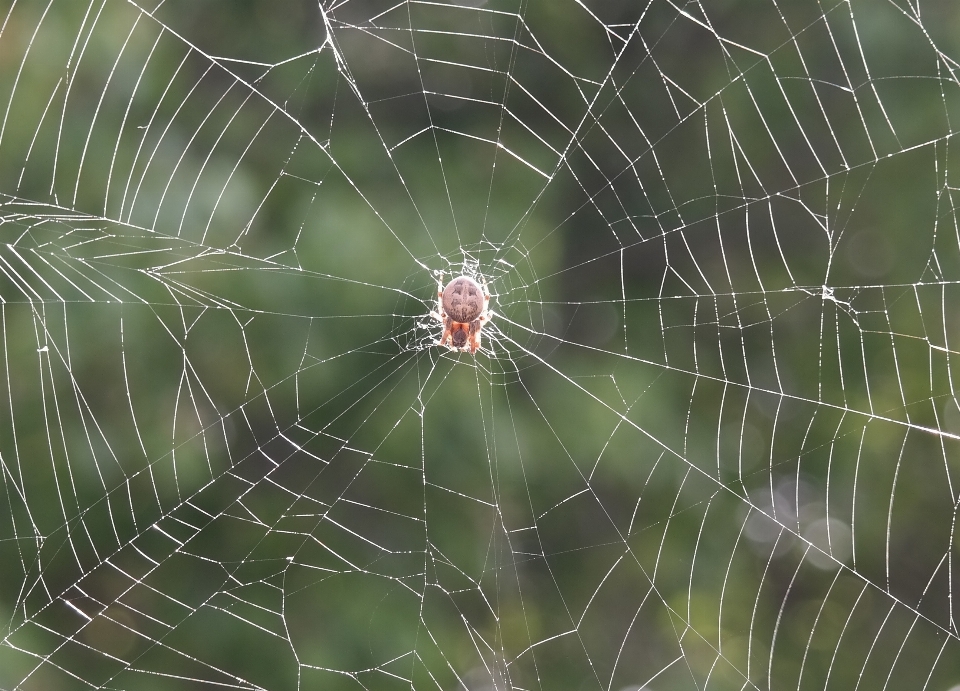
(463, 300)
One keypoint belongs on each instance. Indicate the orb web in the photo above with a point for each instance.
(710, 439)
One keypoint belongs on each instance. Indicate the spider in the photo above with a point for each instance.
(462, 309)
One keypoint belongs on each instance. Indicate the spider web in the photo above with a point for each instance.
(710, 441)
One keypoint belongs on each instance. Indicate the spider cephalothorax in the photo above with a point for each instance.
(462, 310)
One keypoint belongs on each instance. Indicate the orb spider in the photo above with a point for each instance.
(462, 308)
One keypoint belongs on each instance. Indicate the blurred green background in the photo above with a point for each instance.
(711, 441)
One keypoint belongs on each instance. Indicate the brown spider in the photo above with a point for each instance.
(463, 311)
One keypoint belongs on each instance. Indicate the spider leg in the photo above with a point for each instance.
(447, 331)
(442, 317)
(473, 341)
(473, 336)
